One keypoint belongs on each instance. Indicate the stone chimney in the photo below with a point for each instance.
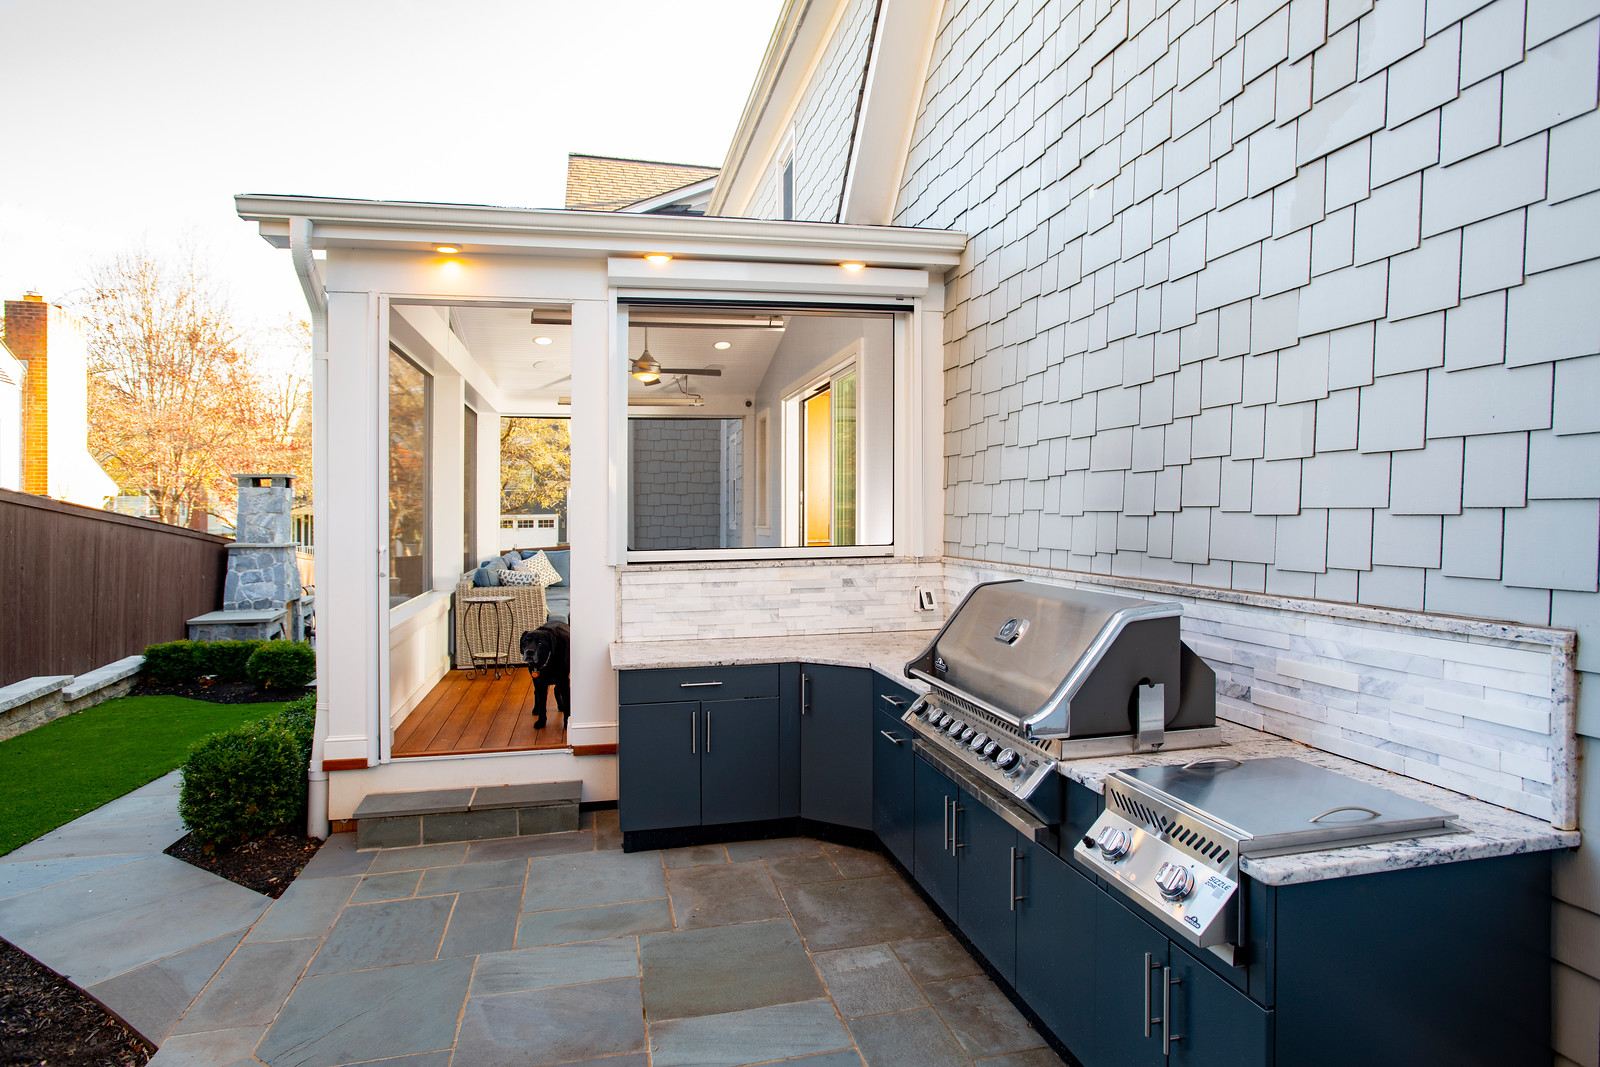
(27, 335)
(261, 591)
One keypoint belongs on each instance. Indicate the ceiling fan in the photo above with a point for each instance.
(649, 371)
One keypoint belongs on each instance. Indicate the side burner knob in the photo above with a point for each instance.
(1174, 881)
(1007, 759)
(1113, 843)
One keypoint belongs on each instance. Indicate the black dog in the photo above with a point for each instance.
(548, 652)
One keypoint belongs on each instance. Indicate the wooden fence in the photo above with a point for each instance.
(80, 588)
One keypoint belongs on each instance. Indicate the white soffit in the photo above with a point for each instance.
(896, 75)
(740, 276)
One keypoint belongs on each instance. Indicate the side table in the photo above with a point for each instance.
(495, 652)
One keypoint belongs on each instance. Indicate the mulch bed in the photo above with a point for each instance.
(218, 692)
(44, 1019)
(267, 866)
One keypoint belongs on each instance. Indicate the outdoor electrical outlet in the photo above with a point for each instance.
(925, 601)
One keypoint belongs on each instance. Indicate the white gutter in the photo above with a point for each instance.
(305, 268)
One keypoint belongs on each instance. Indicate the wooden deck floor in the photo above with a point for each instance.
(485, 714)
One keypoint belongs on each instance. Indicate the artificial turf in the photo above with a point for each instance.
(56, 772)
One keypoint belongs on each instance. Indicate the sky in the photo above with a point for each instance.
(137, 123)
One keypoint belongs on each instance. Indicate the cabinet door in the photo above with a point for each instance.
(986, 858)
(1056, 946)
(1129, 955)
(1214, 1024)
(738, 760)
(893, 812)
(658, 765)
(933, 862)
(836, 745)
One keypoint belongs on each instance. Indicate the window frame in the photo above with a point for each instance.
(396, 349)
(904, 396)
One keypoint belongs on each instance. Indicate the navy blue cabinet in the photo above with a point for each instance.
(1056, 946)
(893, 799)
(836, 745)
(987, 851)
(1156, 1004)
(700, 759)
(936, 806)
(738, 737)
(658, 765)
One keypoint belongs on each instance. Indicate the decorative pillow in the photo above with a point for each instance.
(484, 577)
(542, 567)
(529, 553)
(510, 557)
(518, 577)
(561, 560)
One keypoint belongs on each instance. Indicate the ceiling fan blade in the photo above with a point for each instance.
(707, 372)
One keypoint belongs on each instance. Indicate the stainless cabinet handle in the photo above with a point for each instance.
(805, 693)
(708, 731)
(1013, 877)
(696, 685)
(955, 809)
(944, 840)
(892, 702)
(1167, 1036)
(694, 733)
(892, 737)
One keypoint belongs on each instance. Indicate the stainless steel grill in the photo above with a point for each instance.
(1172, 838)
(1024, 675)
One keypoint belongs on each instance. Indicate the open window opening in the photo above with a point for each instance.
(786, 438)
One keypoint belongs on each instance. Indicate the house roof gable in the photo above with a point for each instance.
(609, 183)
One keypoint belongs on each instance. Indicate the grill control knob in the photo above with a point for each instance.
(1019, 768)
(1007, 759)
(954, 727)
(1174, 881)
(990, 750)
(977, 743)
(1113, 843)
(967, 735)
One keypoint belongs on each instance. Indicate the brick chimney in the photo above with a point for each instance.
(27, 327)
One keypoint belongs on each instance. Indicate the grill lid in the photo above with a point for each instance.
(1020, 650)
(1279, 805)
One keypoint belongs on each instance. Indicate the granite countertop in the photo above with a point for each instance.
(1487, 830)
(886, 652)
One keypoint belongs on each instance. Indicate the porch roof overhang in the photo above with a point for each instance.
(420, 227)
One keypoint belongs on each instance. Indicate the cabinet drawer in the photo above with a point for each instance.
(697, 683)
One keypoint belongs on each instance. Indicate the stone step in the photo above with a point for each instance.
(436, 816)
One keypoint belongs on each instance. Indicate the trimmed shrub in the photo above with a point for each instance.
(299, 717)
(172, 663)
(226, 660)
(244, 783)
(282, 665)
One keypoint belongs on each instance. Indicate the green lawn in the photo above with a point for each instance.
(55, 773)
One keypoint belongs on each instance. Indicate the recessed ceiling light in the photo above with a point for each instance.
(852, 266)
(658, 257)
(723, 344)
(446, 250)
(542, 341)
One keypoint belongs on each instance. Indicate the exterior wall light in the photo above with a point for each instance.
(446, 250)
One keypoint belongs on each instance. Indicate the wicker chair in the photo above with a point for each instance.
(528, 612)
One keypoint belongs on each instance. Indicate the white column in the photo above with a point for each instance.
(448, 469)
(488, 483)
(589, 528)
(348, 488)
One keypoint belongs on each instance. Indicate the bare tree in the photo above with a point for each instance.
(177, 403)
